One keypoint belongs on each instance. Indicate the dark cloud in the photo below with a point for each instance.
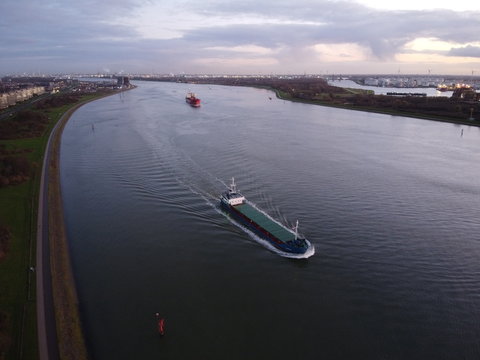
(466, 51)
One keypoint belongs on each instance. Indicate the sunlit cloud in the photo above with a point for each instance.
(253, 49)
(341, 52)
(437, 59)
(237, 62)
(429, 44)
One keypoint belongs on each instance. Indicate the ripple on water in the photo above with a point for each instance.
(390, 205)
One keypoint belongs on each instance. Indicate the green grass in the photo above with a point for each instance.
(359, 91)
(17, 212)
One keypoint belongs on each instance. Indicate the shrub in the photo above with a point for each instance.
(5, 238)
(25, 124)
(14, 170)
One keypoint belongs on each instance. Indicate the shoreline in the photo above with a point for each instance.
(380, 111)
(70, 333)
(70, 337)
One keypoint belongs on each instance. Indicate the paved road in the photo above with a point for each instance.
(47, 332)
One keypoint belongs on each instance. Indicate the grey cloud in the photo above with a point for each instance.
(466, 51)
(50, 27)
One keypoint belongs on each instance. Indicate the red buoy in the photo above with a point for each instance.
(161, 324)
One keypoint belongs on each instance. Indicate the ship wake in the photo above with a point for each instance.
(212, 201)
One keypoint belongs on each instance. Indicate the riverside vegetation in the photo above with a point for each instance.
(23, 138)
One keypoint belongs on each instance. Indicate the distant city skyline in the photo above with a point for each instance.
(245, 37)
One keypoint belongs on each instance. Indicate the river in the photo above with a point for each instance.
(390, 203)
(379, 90)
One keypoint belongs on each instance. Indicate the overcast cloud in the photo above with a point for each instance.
(234, 37)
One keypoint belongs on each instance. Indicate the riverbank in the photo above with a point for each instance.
(71, 342)
(387, 111)
(18, 213)
(70, 336)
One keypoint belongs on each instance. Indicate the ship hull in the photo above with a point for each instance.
(262, 232)
(194, 104)
(192, 100)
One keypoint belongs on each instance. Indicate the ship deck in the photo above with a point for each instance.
(265, 222)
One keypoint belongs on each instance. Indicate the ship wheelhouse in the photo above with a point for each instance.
(232, 197)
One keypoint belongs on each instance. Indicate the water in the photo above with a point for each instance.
(378, 90)
(391, 205)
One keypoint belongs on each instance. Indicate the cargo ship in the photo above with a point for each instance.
(192, 100)
(282, 238)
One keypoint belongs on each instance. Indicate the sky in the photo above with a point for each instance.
(240, 37)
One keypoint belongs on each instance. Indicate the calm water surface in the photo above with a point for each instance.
(391, 205)
(379, 90)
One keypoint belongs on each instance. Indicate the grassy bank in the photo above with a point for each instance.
(18, 338)
(375, 109)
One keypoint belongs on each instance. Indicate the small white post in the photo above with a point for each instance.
(296, 231)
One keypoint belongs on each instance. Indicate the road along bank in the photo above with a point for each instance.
(59, 327)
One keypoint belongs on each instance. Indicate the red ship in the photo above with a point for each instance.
(192, 100)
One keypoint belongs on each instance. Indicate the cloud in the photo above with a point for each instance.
(466, 51)
(183, 34)
(249, 49)
(384, 32)
(341, 52)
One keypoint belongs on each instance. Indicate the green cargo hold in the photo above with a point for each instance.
(265, 222)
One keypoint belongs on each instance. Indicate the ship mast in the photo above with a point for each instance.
(296, 230)
(233, 187)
